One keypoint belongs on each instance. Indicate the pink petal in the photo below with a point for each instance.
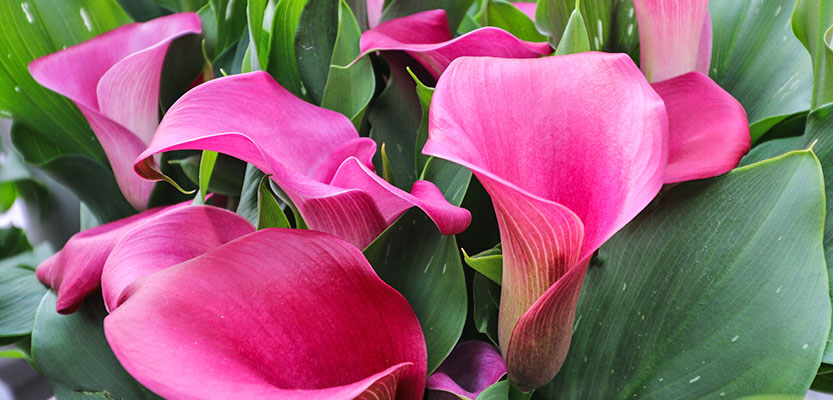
(708, 129)
(374, 12)
(277, 314)
(674, 37)
(527, 8)
(314, 155)
(471, 368)
(570, 148)
(425, 36)
(75, 271)
(167, 239)
(114, 80)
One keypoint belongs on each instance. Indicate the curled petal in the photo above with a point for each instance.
(276, 314)
(75, 271)
(314, 155)
(114, 80)
(426, 37)
(674, 37)
(374, 12)
(471, 368)
(164, 240)
(708, 129)
(567, 161)
(527, 8)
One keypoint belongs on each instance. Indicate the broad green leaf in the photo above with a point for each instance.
(420, 262)
(552, 17)
(260, 15)
(811, 21)
(498, 391)
(349, 87)
(488, 262)
(283, 64)
(452, 179)
(207, 161)
(13, 241)
(424, 94)
(817, 135)
(8, 194)
(387, 170)
(756, 58)
(314, 43)
(504, 15)
(575, 39)
(454, 9)
(718, 289)
(231, 19)
(486, 298)
(250, 194)
(270, 213)
(71, 350)
(143, 10)
(625, 38)
(226, 179)
(20, 291)
(12, 354)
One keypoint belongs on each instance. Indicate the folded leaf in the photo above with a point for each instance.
(425, 36)
(471, 368)
(593, 146)
(114, 80)
(708, 129)
(316, 323)
(314, 155)
(674, 37)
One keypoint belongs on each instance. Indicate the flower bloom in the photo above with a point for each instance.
(570, 148)
(114, 79)
(314, 155)
(470, 368)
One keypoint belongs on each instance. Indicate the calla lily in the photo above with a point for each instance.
(114, 79)
(314, 155)
(276, 314)
(570, 148)
(374, 12)
(708, 127)
(527, 8)
(425, 37)
(99, 257)
(471, 368)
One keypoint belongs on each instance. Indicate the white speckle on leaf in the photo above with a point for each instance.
(229, 9)
(630, 30)
(660, 379)
(805, 346)
(29, 16)
(722, 393)
(596, 42)
(624, 286)
(735, 339)
(779, 289)
(86, 18)
(630, 12)
(5, 113)
(778, 11)
(444, 266)
(17, 89)
(695, 379)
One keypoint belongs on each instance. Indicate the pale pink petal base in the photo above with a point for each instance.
(276, 314)
(527, 8)
(708, 128)
(114, 80)
(425, 37)
(470, 368)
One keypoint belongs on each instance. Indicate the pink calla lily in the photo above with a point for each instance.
(425, 37)
(276, 314)
(99, 257)
(114, 80)
(314, 155)
(470, 368)
(570, 148)
(708, 127)
(374, 12)
(527, 8)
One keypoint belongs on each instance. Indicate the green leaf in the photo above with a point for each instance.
(486, 298)
(424, 94)
(552, 17)
(718, 289)
(143, 10)
(756, 58)
(226, 179)
(420, 262)
(31, 29)
(349, 88)
(20, 291)
(231, 20)
(497, 391)
(71, 350)
(387, 170)
(250, 194)
(504, 15)
(314, 43)
(8, 194)
(575, 39)
(12, 354)
(455, 9)
(270, 213)
(283, 64)
(489, 263)
(207, 161)
(810, 22)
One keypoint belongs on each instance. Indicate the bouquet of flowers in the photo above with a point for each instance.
(408, 199)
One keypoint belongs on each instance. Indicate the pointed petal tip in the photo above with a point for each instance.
(471, 367)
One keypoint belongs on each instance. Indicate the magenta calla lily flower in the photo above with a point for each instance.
(470, 368)
(276, 314)
(99, 257)
(425, 37)
(527, 8)
(709, 131)
(314, 155)
(114, 80)
(374, 12)
(570, 148)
